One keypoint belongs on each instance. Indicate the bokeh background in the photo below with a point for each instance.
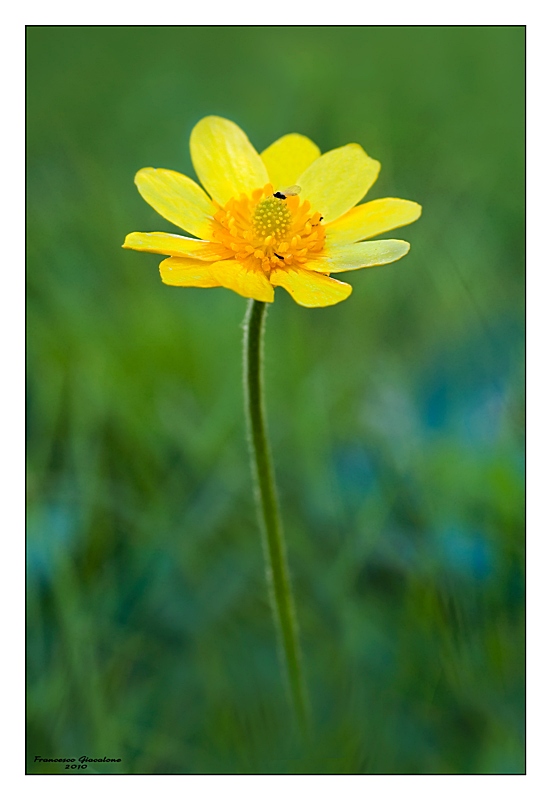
(396, 417)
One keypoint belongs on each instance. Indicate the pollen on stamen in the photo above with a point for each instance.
(266, 231)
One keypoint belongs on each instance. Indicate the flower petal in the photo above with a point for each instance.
(187, 272)
(287, 158)
(225, 161)
(309, 288)
(345, 257)
(176, 198)
(170, 244)
(338, 180)
(372, 219)
(246, 282)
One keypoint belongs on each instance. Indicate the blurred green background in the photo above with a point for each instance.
(396, 417)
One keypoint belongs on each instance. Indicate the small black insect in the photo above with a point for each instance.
(280, 257)
(290, 191)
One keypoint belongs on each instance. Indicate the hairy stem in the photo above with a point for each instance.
(274, 541)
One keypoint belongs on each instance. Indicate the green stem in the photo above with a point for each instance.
(274, 540)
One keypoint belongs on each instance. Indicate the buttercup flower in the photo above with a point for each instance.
(287, 217)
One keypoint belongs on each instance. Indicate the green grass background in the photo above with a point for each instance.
(396, 417)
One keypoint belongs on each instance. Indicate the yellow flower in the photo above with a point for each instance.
(287, 217)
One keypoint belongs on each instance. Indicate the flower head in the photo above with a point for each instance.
(287, 217)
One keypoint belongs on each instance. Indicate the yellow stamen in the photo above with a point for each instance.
(268, 232)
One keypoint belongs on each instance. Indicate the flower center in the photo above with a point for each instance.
(271, 217)
(268, 231)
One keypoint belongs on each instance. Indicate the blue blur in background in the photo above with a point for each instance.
(396, 417)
